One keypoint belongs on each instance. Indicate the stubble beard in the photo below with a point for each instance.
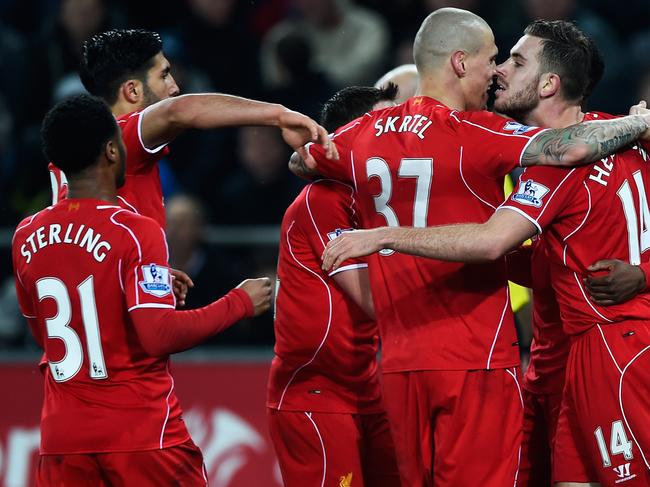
(519, 105)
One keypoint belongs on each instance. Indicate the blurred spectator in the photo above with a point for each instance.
(215, 271)
(301, 87)
(640, 46)
(262, 188)
(55, 51)
(350, 42)
(614, 88)
(217, 41)
(213, 274)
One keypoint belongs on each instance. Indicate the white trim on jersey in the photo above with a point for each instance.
(620, 402)
(521, 400)
(522, 213)
(609, 350)
(496, 335)
(354, 173)
(151, 305)
(167, 260)
(135, 239)
(28, 316)
(322, 445)
(119, 275)
(348, 267)
(460, 170)
(150, 151)
(528, 143)
(586, 214)
(548, 201)
(620, 388)
(107, 207)
(171, 389)
(587, 300)
(311, 215)
(329, 319)
(55, 188)
(123, 200)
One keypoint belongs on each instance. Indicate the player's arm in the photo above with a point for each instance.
(472, 242)
(165, 120)
(356, 284)
(518, 266)
(585, 142)
(163, 331)
(622, 282)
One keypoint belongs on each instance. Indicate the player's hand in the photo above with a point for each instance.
(181, 283)
(259, 290)
(641, 108)
(350, 245)
(298, 129)
(622, 283)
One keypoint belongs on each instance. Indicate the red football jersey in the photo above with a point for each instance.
(423, 164)
(326, 346)
(81, 266)
(550, 346)
(142, 191)
(589, 213)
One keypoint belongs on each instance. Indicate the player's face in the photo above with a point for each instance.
(481, 69)
(517, 92)
(160, 82)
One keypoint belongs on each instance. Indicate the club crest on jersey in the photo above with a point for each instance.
(530, 193)
(517, 128)
(156, 280)
(338, 232)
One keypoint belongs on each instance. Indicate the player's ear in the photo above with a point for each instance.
(549, 85)
(131, 90)
(458, 60)
(111, 151)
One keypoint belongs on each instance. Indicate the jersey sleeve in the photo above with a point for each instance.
(341, 169)
(58, 182)
(493, 145)
(331, 211)
(542, 193)
(139, 157)
(145, 272)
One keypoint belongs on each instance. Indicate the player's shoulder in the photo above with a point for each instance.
(321, 197)
(127, 118)
(592, 116)
(134, 221)
(322, 189)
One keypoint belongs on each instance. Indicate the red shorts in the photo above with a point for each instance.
(333, 449)
(541, 412)
(180, 465)
(603, 428)
(456, 428)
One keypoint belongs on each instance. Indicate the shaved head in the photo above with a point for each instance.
(405, 77)
(446, 31)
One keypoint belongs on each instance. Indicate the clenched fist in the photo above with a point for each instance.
(259, 290)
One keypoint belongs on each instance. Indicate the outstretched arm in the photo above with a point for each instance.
(585, 142)
(165, 120)
(470, 242)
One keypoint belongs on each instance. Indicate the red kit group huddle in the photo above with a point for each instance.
(402, 242)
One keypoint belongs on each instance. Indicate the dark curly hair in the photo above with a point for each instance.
(75, 132)
(350, 103)
(112, 57)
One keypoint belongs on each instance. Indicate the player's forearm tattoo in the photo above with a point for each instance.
(600, 139)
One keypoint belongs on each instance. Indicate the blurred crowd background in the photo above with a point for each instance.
(294, 52)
